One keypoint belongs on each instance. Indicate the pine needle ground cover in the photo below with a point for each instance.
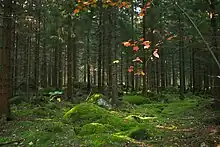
(189, 122)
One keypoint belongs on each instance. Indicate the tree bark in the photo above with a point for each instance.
(5, 59)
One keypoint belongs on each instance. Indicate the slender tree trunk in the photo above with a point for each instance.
(74, 63)
(115, 66)
(55, 65)
(88, 63)
(60, 69)
(215, 46)
(110, 51)
(100, 48)
(44, 67)
(144, 56)
(173, 71)
(181, 57)
(69, 63)
(37, 49)
(13, 58)
(5, 59)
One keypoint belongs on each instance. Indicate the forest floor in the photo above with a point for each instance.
(190, 122)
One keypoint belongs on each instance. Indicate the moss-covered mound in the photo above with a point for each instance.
(95, 97)
(139, 134)
(136, 99)
(107, 140)
(96, 128)
(86, 113)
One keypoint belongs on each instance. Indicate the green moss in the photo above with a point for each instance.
(85, 112)
(17, 100)
(119, 123)
(95, 97)
(54, 127)
(41, 111)
(96, 128)
(102, 140)
(180, 107)
(136, 99)
(139, 134)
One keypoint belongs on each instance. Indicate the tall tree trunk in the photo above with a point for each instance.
(60, 70)
(5, 59)
(215, 48)
(69, 63)
(74, 62)
(115, 66)
(173, 71)
(37, 49)
(44, 67)
(110, 51)
(55, 66)
(100, 47)
(88, 62)
(144, 56)
(181, 57)
(13, 58)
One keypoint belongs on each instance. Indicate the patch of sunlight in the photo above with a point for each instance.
(44, 119)
(97, 95)
(172, 127)
(140, 117)
(122, 136)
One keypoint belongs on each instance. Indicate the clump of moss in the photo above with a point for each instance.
(119, 123)
(42, 111)
(100, 140)
(139, 134)
(85, 113)
(54, 127)
(136, 99)
(96, 128)
(95, 97)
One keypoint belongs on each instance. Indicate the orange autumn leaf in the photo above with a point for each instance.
(126, 44)
(141, 14)
(137, 60)
(123, 3)
(140, 72)
(76, 11)
(86, 3)
(113, 4)
(135, 48)
(141, 39)
(148, 5)
(131, 68)
(155, 53)
(171, 37)
(146, 44)
(127, 6)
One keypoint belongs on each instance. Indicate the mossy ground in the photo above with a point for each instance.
(188, 122)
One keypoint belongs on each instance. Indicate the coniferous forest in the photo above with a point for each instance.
(110, 73)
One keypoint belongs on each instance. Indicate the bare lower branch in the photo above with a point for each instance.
(200, 34)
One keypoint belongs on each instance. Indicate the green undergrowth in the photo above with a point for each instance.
(136, 99)
(86, 124)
